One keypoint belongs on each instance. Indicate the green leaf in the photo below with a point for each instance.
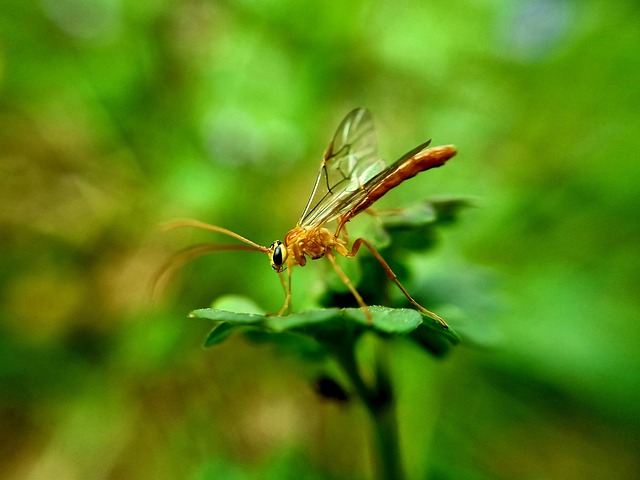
(227, 316)
(303, 346)
(413, 228)
(434, 338)
(448, 208)
(397, 321)
(413, 216)
(237, 303)
(302, 320)
(377, 234)
(443, 210)
(332, 328)
(219, 333)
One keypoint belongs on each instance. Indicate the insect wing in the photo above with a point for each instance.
(350, 160)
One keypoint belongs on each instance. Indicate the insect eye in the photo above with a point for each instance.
(278, 255)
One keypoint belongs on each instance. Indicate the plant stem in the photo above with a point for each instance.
(378, 400)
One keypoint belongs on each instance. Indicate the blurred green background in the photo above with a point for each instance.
(116, 116)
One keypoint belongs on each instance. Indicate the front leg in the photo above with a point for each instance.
(286, 286)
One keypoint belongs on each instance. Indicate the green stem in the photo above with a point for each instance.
(378, 400)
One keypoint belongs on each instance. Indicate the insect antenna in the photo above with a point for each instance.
(187, 222)
(184, 256)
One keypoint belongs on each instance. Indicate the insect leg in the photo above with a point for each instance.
(342, 229)
(347, 281)
(393, 278)
(286, 286)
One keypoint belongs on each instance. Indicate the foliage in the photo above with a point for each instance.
(335, 333)
(117, 116)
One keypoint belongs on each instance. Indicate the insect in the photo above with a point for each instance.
(351, 178)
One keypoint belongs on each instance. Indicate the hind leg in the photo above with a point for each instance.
(392, 276)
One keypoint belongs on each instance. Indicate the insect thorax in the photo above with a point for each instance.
(312, 242)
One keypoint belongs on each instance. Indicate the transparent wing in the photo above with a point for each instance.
(350, 160)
